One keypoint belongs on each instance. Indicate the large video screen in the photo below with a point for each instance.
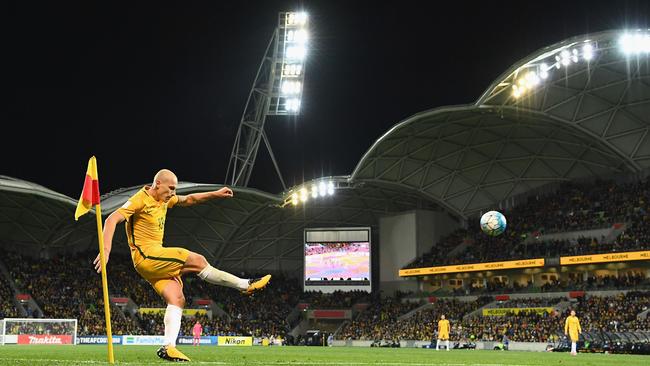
(337, 263)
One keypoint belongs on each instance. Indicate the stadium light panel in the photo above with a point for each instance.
(291, 70)
(314, 191)
(301, 18)
(587, 52)
(322, 189)
(330, 188)
(291, 87)
(574, 57)
(304, 195)
(294, 199)
(543, 71)
(296, 52)
(293, 105)
(565, 57)
(301, 36)
(635, 43)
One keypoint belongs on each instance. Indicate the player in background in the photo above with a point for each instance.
(197, 330)
(573, 330)
(145, 213)
(443, 332)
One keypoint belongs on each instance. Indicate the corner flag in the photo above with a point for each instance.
(89, 198)
(90, 194)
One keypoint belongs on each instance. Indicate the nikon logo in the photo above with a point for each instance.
(235, 341)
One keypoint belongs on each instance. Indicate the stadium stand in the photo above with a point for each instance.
(7, 308)
(572, 207)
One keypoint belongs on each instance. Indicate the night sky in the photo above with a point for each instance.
(145, 86)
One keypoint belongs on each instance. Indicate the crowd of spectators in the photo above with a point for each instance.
(335, 300)
(613, 313)
(48, 328)
(7, 308)
(573, 207)
(381, 320)
(313, 249)
(68, 287)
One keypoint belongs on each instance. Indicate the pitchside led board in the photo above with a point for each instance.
(337, 259)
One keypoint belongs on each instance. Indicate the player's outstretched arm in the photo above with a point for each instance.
(109, 230)
(195, 198)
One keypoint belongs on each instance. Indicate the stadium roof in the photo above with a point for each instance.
(575, 109)
(557, 115)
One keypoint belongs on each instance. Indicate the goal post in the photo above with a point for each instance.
(38, 331)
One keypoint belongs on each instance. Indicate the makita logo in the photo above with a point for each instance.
(45, 340)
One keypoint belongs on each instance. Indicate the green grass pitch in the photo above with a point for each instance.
(309, 356)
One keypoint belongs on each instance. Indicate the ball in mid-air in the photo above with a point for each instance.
(493, 223)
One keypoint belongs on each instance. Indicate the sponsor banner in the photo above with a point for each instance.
(330, 314)
(44, 339)
(604, 258)
(234, 341)
(186, 312)
(134, 340)
(205, 340)
(120, 300)
(504, 311)
(460, 268)
(98, 339)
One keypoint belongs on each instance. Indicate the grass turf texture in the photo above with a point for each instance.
(310, 356)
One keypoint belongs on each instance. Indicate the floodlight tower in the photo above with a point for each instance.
(277, 91)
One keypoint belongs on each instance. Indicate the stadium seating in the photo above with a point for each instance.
(573, 207)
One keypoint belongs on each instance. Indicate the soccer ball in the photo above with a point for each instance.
(493, 223)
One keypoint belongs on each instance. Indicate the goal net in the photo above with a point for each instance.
(38, 331)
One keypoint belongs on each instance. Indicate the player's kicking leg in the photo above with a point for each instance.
(197, 263)
(173, 295)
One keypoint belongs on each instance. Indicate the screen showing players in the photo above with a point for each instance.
(337, 262)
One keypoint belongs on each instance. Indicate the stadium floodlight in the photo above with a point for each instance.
(296, 18)
(314, 191)
(322, 189)
(301, 36)
(304, 195)
(294, 199)
(330, 188)
(543, 71)
(565, 57)
(588, 52)
(291, 87)
(635, 43)
(293, 105)
(296, 52)
(276, 91)
(290, 70)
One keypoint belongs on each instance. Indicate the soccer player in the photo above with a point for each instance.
(573, 330)
(196, 332)
(443, 332)
(162, 267)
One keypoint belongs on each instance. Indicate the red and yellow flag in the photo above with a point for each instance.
(90, 194)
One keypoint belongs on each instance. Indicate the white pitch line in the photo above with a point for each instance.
(92, 362)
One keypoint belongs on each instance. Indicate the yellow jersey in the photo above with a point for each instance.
(443, 326)
(145, 221)
(572, 327)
